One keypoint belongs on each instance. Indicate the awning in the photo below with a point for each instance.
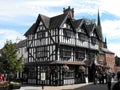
(56, 62)
(69, 63)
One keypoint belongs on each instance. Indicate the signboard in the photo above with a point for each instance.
(43, 76)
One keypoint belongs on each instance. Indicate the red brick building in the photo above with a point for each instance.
(109, 59)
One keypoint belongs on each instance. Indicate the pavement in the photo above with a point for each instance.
(84, 86)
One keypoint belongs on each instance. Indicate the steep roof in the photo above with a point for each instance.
(31, 29)
(53, 22)
(90, 27)
(57, 20)
(45, 20)
(93, 28)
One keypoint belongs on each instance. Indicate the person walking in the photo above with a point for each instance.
(109, 79)
(116, 86)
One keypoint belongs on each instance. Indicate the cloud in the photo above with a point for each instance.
(110, 6)
(47, 7)
(115, 48)
(13, 8)
(111, 29)
(9, 35)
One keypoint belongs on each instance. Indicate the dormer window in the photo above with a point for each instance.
(66, 34)
(67, 26)
(81, 30)
(64, 26)
(40, 23)
(93, 34)
(82, 37)
(93, 40)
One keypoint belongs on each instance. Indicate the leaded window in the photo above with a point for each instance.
(65, 52)
(41, 52)
(66, 34)
(92, 56)
(41, 34)
(67, 26)
(82, 37)
(80, 54)
(94, 40)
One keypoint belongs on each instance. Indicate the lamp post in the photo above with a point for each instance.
(43, 75)
(86, 75)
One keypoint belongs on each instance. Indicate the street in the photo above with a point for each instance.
(84, 86)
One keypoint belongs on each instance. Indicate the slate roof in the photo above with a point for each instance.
(77, 23)
(57, 20)
(46, 20)
(31, 29)
(90, 27)
(52, 22)
(21, 44)
(107, 51)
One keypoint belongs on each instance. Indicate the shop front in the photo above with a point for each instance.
(56, 74)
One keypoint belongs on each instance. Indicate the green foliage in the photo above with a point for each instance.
(12, 62)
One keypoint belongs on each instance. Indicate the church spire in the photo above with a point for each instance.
(105, 42)
(99, 22)
(99, 26)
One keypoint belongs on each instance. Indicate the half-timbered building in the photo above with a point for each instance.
(63, 47)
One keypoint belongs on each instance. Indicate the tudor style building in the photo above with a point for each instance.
(64, 48)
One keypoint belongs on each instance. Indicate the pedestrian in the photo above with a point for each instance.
(116, 86)
(109, 79)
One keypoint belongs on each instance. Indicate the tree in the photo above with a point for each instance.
(11, 62)
(2, 62)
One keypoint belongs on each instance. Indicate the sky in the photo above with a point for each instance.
(16, 17)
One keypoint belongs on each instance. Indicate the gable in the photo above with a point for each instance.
(82, 27)
(41, 21)
(95, 33)
(40, 26)
(67, 23)
(92, 29)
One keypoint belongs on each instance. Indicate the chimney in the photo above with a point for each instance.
(70, 11)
